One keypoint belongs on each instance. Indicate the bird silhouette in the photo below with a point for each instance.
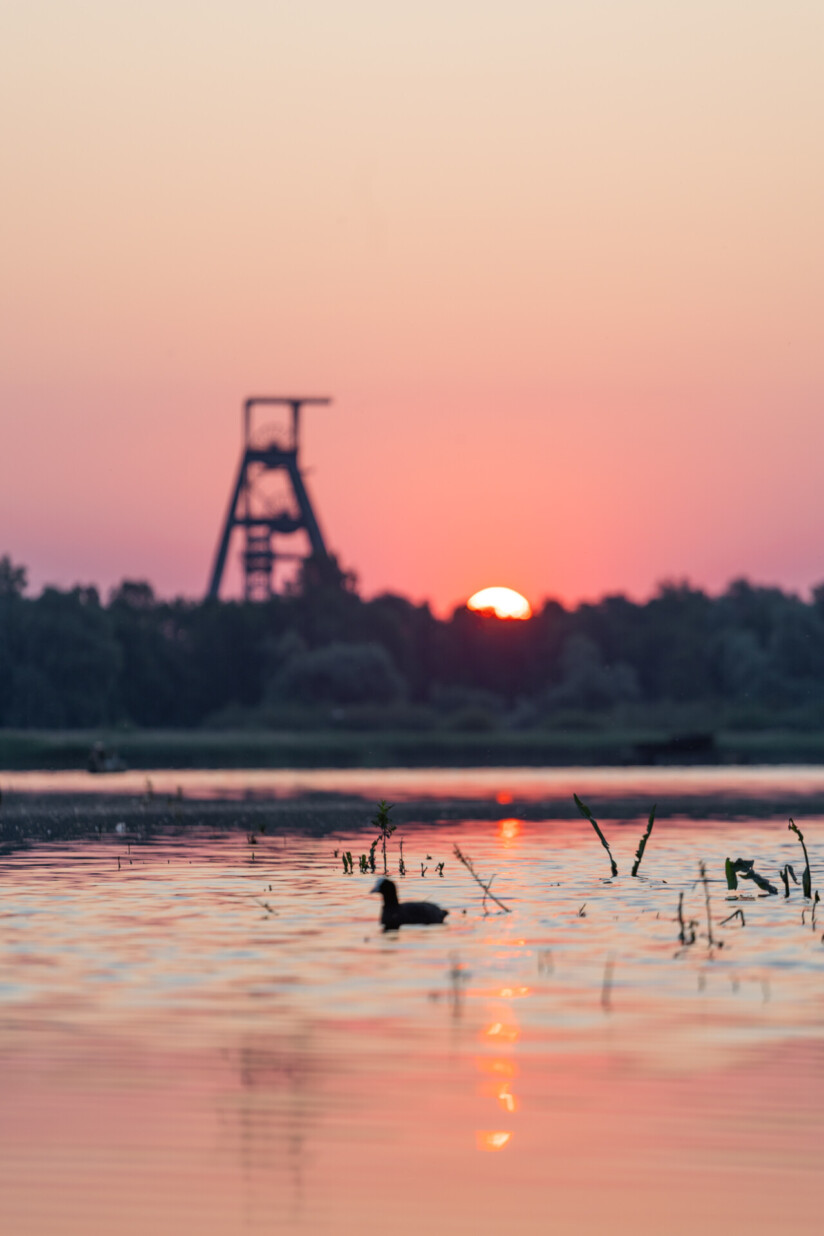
(397, 914)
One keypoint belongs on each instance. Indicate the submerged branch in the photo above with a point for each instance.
(467, 862)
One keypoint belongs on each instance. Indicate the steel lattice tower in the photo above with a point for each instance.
(269, 500)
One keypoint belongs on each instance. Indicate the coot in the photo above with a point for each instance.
(396, 913)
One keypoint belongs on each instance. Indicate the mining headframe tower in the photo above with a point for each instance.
(269, 501)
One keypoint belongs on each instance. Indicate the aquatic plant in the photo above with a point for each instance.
(736, 914)
(385, 826)
(806, 877)
(745, 867)
(439, 869)
(587, 814)
(467, 862)
(348, 865)
(401, 863)
(642, 844)
(785, 873)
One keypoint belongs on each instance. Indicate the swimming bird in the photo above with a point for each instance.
(396, 913)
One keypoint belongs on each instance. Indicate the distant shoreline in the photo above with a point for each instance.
(38, 807)
(603, 745)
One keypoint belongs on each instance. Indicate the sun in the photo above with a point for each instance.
(503, 602)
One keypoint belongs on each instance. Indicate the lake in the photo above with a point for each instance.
(203, 1028)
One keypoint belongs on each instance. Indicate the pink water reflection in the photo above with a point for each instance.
(502, 785)
(177, 1058)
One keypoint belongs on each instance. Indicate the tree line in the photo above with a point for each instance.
(323, 655)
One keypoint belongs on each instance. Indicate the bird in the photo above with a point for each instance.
(398, 913)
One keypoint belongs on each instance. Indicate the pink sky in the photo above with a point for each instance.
(560, 266)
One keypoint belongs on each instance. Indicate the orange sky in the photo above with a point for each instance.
(560, 266)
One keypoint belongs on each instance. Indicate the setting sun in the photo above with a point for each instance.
(503, 602)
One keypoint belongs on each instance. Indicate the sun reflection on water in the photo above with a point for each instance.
(507, 1099)
(509, 831)
(502, 1032)
(488, 1140)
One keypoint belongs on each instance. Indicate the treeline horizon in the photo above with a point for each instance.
(321, 655)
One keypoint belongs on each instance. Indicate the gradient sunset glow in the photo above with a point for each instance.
(560, 266)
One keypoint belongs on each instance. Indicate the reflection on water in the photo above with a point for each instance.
(198, 1034)
(508, 831)
(503, 785)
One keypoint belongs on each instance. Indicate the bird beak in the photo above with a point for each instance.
(376, 887)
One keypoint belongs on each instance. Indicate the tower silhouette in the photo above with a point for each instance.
(269, 500)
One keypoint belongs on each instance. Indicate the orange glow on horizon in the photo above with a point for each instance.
(502, 602)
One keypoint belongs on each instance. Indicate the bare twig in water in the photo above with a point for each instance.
(684, 927)
(467, 862)
(735, 914)
(642, 844)
(265, 905)
(587, 814)
(703, 878)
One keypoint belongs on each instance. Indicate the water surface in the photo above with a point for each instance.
(202, 1034)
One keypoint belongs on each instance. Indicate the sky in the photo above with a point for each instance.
(560, 267)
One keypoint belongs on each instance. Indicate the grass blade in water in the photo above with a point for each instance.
(587, 814)
(642, 844)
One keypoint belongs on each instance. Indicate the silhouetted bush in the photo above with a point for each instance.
(338, 674)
